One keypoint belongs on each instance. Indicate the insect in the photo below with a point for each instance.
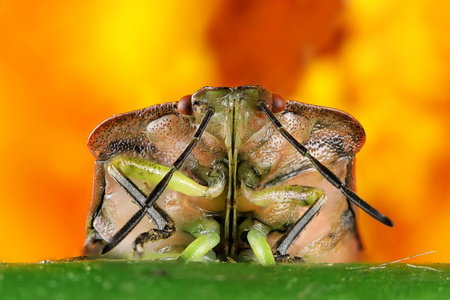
(227, 173)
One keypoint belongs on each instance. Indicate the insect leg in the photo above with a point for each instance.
(152, 235)
(285, 198)
(160, 187)
(256, 233)
(207, 234)
(159, 219)
(165, 227)
(152, 173)
(330, 176)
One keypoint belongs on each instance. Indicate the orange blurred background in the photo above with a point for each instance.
(67, 65)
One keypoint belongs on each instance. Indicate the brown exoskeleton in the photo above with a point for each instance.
(235, 173)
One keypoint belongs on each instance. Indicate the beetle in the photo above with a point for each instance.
(227, 173)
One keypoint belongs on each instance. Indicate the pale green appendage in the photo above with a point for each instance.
(257, 238)
(152, 173)
(298, 194)
(207, 234)
(207, 230)
(257, 231)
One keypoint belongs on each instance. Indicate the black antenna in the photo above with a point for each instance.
(283, 244)
(330, 176)
(140, 199)
(159, 188)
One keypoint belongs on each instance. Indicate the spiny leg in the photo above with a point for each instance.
(207, 234)
(160, 187)
(330, 176)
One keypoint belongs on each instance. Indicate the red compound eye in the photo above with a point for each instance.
(278, 103)
(185, 105)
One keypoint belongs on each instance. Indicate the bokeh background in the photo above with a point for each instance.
(67, 65)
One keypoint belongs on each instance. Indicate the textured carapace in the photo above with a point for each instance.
(242, 178)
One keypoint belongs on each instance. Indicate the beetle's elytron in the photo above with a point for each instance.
(227, 173)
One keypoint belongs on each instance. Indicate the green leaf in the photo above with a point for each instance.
(109, 279)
